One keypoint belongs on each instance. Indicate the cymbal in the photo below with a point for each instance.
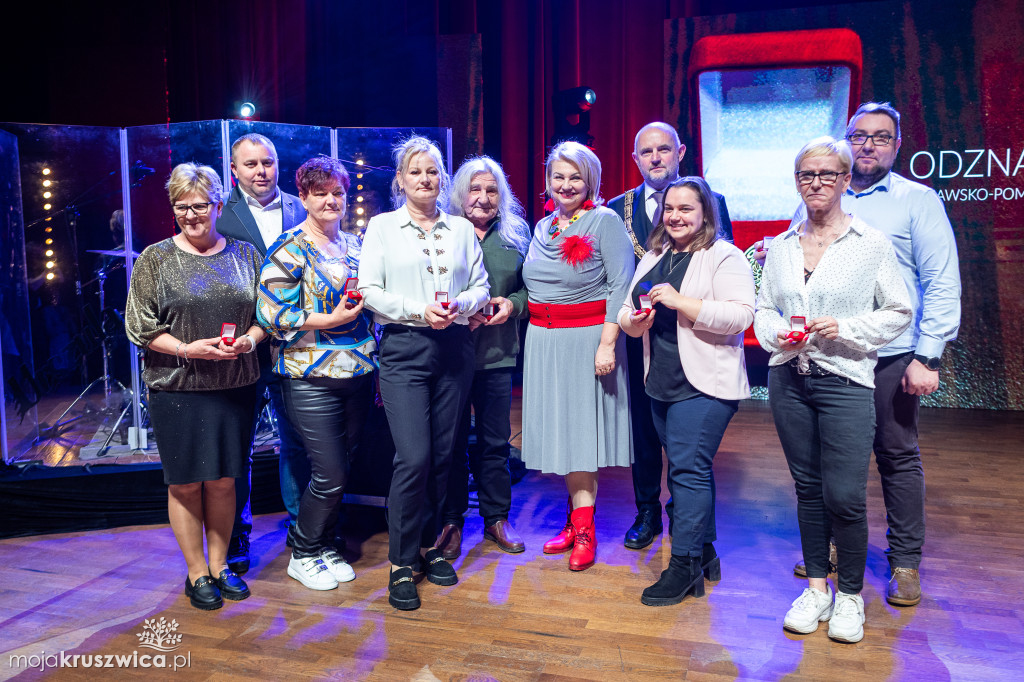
(114, 253)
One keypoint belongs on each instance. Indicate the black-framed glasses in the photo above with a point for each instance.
(878, 139)
(826, 177)
(198, 209)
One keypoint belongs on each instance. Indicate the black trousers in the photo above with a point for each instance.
(424, 381)
(328, 415)
(491, 399)
(826, 425)
(647, 464)
(899, 461)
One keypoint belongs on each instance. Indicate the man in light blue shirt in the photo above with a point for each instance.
(913, 217)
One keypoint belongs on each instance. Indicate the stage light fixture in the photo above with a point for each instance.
(49, 253)
(49, 240)
(359, 186)
(46, 195)
(50, 264)
(572, 115)
(359, 175)
(49, 275)
(49, 229)
(247, 110)
(47, 207)
(46, 171)
(360, 211)
(46, 183)
(360, 222)
(359, 199)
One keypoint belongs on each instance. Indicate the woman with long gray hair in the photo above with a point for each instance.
(481, 194)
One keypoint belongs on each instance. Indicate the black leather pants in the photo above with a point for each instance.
(328, 414)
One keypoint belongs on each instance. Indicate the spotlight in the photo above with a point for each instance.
(49, 229)
(49, 253)
(46, 171)
(359, 199)
(360, 211)
(47, 207)
(49, 241)
(359, 186)
(360, 222)
(247, 110)
(572, 115)
(46, 183)
(46, 195)
(359, 175)
(359, 162)
(50, 264)
(49, 275)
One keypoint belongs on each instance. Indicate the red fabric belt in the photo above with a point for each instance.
(554, 316)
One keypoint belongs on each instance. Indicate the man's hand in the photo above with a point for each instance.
(919, 380)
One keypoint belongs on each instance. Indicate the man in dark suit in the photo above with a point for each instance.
(258, 212)
(657, 152)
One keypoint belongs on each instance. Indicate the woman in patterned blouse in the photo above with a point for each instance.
(327, 357)
(831, 296)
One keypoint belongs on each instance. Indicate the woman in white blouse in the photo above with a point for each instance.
(422, 274)
(831, 296)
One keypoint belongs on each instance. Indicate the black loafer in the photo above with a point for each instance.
(231, 586)
(238, 554)
(204, 594)
(438, 571)
(644, 528)
(402, 592)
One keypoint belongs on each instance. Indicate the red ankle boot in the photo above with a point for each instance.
(585, 547)
(564, 540)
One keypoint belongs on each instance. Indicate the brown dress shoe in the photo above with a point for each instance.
(904, 588)
(505, 536)
(450, 541)
(800, 569)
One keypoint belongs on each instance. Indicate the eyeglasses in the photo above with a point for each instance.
(878, 139)
(198, 209)
(826, 177)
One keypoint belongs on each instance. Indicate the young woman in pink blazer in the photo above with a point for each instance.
(691, 299)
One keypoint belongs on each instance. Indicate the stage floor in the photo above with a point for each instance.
(526, 617)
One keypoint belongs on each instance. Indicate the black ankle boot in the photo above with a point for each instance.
(710, 562)
(682, 577)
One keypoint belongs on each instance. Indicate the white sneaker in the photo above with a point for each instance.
(338, 567)
(809, 609)
(847, 624)
(312, 572)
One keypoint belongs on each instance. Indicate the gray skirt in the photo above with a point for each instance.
(573, 420)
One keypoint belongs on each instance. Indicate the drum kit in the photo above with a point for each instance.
(111, 325)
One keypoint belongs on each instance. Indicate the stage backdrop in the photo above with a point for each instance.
(955, 71)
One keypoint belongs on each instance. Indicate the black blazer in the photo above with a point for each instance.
(642, 224)
(237, 221)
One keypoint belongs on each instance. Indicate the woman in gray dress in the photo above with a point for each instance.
(575, 404)
(199, 373)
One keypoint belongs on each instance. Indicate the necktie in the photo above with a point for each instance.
(656, 211)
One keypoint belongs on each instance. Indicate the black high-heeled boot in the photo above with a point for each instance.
(682, 577)
(710, 562)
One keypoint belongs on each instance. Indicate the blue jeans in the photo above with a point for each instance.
(826, 426)
(691, 431)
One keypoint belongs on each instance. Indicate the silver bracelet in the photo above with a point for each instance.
(252, 343)
(184, 352)
(177, 348)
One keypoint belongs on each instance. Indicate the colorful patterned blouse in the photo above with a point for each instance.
(298, 279)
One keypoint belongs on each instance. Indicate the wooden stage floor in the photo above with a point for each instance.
(526, 617)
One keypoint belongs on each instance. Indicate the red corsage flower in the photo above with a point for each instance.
(549, 206)
(577, 249)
